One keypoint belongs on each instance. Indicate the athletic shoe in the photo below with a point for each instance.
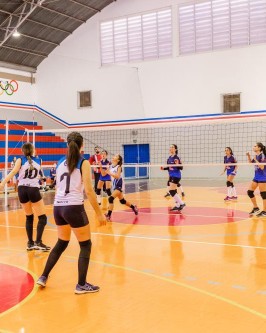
(135, 210)
(255, 211)
(183, 194)
(41, 246)
(174, 209)
(87, 288)
(262, 214)
(181, 207)
(167, 195)
(30, 246)
(234, 198)
(227, 198)
(42, 281)
(108, 217)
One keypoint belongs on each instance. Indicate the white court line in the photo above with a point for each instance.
(158, 238)
(180, 240)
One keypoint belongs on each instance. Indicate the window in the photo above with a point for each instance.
(231, 103)
(136, 38)
(84, 99)
(220, 24)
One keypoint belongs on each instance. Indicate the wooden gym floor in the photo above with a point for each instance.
(161, 272)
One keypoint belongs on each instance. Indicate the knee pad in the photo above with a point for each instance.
(85, 249)
(108, 191)
(122, 201)
(178, 185)
(228, 184)
(168, 183)
(263, 195)
(98, 191)
(173, 192)
(250, 194)
(232, 184)
(111, 199)
(42, 220)
(60, 246)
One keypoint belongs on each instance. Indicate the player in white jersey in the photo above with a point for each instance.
(29, 195)
(115, 171)
(73, 174)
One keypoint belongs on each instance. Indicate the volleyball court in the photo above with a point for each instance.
(209, 255)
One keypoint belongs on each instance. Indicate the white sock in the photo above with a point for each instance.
(178, 200)
(234, 191)
(99, 199)
(229, 191)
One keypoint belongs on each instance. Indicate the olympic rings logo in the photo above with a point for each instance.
(8, 87)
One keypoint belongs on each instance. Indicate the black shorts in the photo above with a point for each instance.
(174, 180)
(27, 193)
(74, 215)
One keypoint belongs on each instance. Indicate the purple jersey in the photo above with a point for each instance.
(174, 171)
(105, 166)
(230, 168)
(260, 175)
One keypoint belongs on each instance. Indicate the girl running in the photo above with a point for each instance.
(115, 171)
(174, 177)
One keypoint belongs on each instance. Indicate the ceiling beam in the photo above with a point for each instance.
(57, 13)
(85, 6)
(37, 22)
(14, 22)
(24, 51)
(40, 39)
(22, 68)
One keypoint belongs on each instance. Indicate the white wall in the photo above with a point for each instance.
(181, 85)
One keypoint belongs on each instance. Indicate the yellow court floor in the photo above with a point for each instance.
(202, 270)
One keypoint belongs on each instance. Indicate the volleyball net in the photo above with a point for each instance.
(145, 148)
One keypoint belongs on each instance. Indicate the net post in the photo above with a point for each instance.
(6, 160)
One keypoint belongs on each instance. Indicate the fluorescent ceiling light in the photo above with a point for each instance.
(16, 33)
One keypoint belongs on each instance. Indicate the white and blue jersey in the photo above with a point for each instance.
(105, 166)
(260, 175)
(230, 169)
(26, 176)
(174, 171)
(117, 183)
(69, 188)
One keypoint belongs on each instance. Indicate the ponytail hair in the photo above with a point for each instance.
(176, 149)
(75, 142)
(28, 150)
(230, 149)
(120, 160)
(262, 147)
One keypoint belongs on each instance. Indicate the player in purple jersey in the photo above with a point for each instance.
(174, 177)
(105, 178)
(230, 172)
(259, 179)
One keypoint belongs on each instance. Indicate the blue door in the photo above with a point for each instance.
(136, 154)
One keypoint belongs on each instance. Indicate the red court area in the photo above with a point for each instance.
(189, 216)
(15, 285)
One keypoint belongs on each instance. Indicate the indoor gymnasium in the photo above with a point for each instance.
(132, 166)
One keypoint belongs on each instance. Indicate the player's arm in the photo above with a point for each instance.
(12, 173)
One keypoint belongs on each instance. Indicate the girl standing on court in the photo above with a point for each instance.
(230, 172)
(105, 178)
(29, 168)
(73, 174)
(174, 177)
(115, 171)
(259, 179)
